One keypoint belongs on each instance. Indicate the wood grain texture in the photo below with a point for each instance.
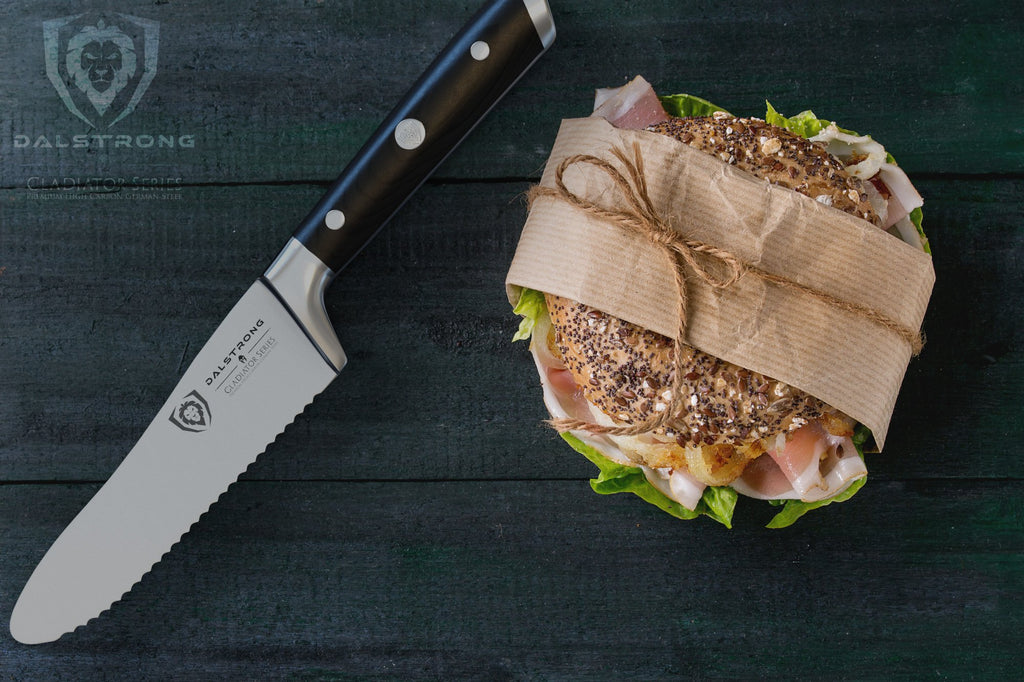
(513, 580)
(286, 91)
(418, 521)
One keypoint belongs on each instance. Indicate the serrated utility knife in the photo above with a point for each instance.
(276, 349)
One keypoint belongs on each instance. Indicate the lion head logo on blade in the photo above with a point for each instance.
(101, 65)
(192, 413)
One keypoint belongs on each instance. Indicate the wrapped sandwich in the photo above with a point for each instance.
(693, 394)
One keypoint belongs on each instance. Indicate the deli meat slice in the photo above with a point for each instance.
(813, 465)
(677, 485)
(633, 106)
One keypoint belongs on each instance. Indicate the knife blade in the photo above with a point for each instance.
(276, 349)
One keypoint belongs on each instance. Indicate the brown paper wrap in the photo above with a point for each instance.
(836, 355)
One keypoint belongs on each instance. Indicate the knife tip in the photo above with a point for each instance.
(28, 629)
(26, 634)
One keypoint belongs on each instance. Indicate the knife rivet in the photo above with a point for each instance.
(334, 219)
(410, 133)
(480, 50)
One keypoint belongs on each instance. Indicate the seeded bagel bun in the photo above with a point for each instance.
(729, 415)
(774, 154)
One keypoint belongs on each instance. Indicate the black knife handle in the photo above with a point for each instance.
(475, 69)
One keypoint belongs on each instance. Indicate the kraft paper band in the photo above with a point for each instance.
(834, 354)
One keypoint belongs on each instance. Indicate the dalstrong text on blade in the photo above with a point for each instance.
(248, 364)
(233, 355)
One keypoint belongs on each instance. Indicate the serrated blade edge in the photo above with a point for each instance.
(257, 372)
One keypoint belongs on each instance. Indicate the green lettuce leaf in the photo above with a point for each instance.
(794, 509)
(688, 105)
(804, 124)
(720, 503)
(917, 218)
(716, 503)
(531, 306)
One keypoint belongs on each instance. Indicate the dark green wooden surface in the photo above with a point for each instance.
(417, 521)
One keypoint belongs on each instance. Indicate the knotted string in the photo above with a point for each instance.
(714, 266)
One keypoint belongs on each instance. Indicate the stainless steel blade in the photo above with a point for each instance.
(255, 374)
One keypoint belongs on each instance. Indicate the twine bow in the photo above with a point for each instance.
(715, 267)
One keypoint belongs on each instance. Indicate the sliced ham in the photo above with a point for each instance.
(562, 381)
(676, 484)
(562, 398)
(633, 106)
(795, 472)
(861, 155)
(799, 457)
(764, 480)
(903, 199)
(842, 467)
(867, 159)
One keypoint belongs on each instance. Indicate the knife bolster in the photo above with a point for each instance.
(298, 278)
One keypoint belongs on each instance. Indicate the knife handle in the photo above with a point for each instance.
(471, 74)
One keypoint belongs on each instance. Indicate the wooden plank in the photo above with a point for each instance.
(419, 521)
(544, 579)
(290, 91)
(100, 317)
